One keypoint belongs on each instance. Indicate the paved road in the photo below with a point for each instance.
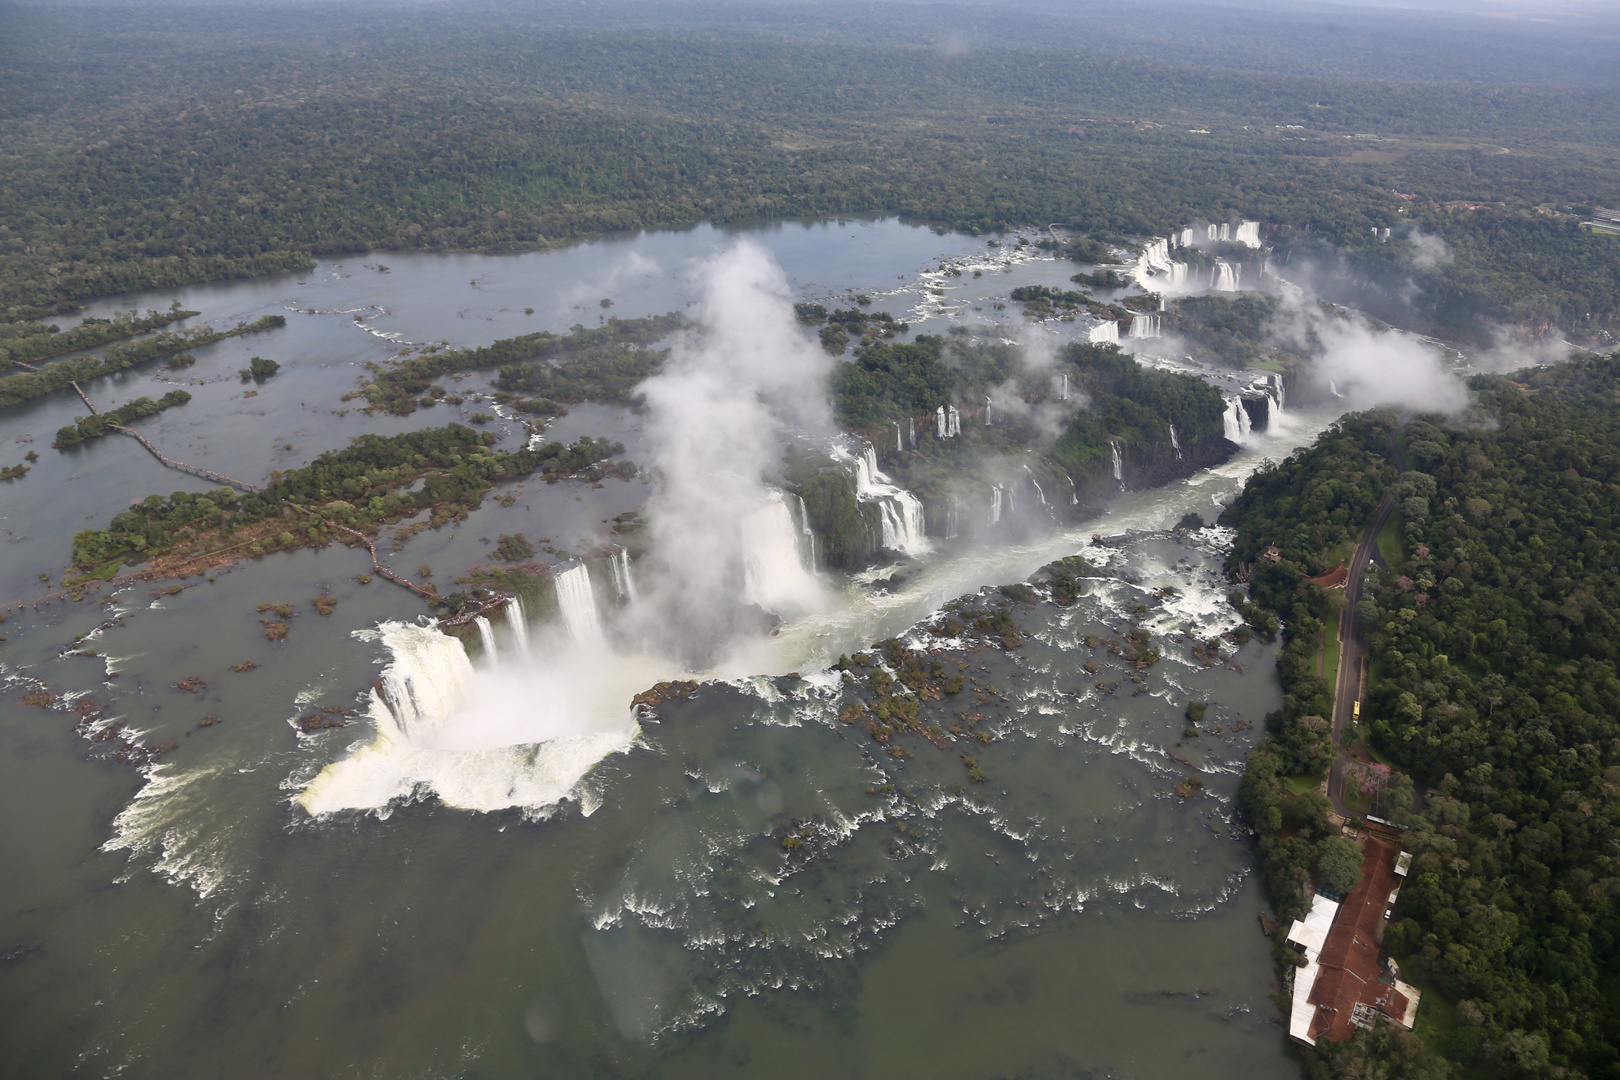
(1352, 645)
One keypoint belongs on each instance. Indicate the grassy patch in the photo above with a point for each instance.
(1266, 363)
(1299, 785)
(1389, 541)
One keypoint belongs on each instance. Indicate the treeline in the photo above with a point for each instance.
(361, 486)
(1494, 643)
(27, 385)
(93, 427)
(27, 341)
(569, 134)
(586, 363)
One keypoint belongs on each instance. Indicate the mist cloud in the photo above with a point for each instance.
(717, 416)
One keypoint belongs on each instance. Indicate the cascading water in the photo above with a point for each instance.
(1214, 234)
(1064, 394)
(624, 581)
(911, 428)
(1224, 277)
(1226, 232)
(986, 412)
(940, 424)
(1036, 484)
(518, 620)
(953, 518)
(774, 572)
(955, 419)
(899, 442)
(1175, 442)
(1235, 420)
(486, 637)
(1248, 233)
(1105, 332)
(576, 601)
(995, 504)
(1156, 265)
(1145, 326)
(1119, 463)
(901, 511)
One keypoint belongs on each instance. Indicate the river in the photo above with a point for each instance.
(1070, 915)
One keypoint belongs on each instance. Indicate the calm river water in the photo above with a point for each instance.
(1069, 916)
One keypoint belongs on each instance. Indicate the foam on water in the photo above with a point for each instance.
(522, 732)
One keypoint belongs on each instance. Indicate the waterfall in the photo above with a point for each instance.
(1235, 420)
(1104, 332)
(995, 504)
(955, 427)
(986, 412)
(1145, 326)
(1119, 464)
(1333, 388)
(1186, 238)
(953, 518)
(911, 429)
(1064, 396)
(577, 602)
(1074, 492)
(807, 535)
(624, 583)
(1224, 277)
(518, 620)
(939, 423)
(774, 572)
(486, 637)
(1226, 232)
(899, 443)
(901, 511)
(1248, 233)
(1155, 263)
(1175, 443)
(1039, 494)
(1214, 234)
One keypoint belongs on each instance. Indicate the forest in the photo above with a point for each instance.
(136, 168)
(1494, 650)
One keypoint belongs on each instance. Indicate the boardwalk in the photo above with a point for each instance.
(195, 470)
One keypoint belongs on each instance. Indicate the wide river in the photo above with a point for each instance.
(1071, 915)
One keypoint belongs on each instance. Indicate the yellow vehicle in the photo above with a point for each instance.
(1355, 712)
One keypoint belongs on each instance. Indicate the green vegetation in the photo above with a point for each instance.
(27, 341)
(370, 482)
(1494, 646)
(1232, 329)
(260, 369)
(586, 363)
(27, 385)
(93, 427)
(224, 164)
(1063, 448)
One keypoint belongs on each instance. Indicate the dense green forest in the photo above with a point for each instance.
(1494, 648)
(231, 144)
